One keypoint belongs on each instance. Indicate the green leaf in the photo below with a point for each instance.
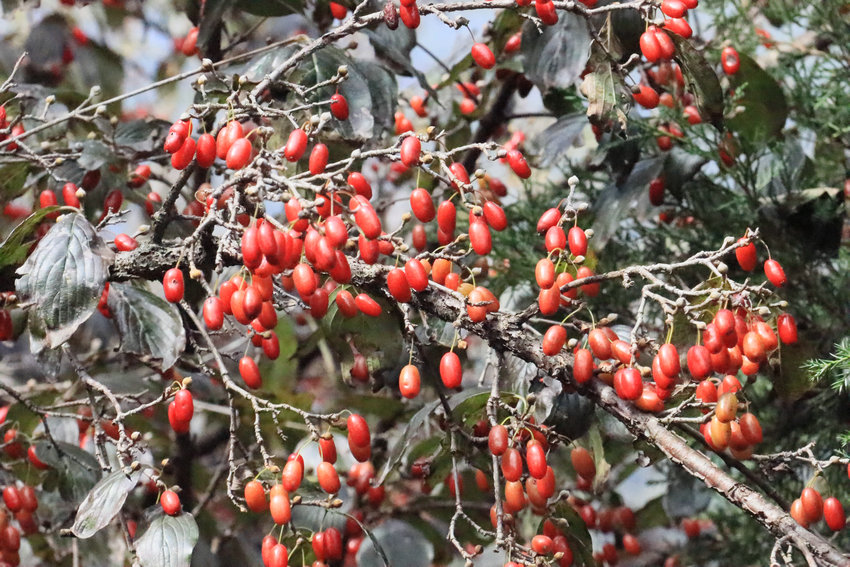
(605, 92)
(213, 13)
(148, 325)
(556, 57)
(140, 135)
(95, 155)
(77, 470)
(571, 414)
(168, 541)
(14, 249)
(764, 106)
(702, 81)
(103, 503)
(61, 282)
(270, 8)
(99, 65)
(413, 427)
(12, 180)
(626, 200)
(404, 546)
(557, 138)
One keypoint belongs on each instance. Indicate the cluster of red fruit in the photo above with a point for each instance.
(328, 544)
(655, 44)
(810, 507)
(22, 502)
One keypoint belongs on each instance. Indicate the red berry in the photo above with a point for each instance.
(554, 339)
(328, 477)
(628, 383)
(184, 405)
(296, 145)
(730, 60)
(518, 164)
(774, 272)
(239, 154)
(577, 239)
(787, 328)
(205, 150)
(183, 156)
(172, 284)
(451, 370)
(833, 513)
(411, 148)
(250, 372)
(170, 502)
(422, 205)
(125, 243)
(483, 56)
(409, 381)
(358, 430)
(255, 497)
(746, 256)
(647, 97)
(339, 106)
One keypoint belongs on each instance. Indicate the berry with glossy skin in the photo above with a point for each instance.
(535, 459)
(730, 60)
(512, 465)
(451, 370)
(422, 205)
(646, 96)
(774, 272)
(318, 159)
(833, 513)
(497, 440)
(183, 156)
(170, 502)
(239, 154)
(296, 145)
(358, 430)
(582, 365)
(812, 504)
(172, 285)
(517, 162)
(125, 243)
(482, 55)
(398, 286)
(673, 8)
(668, 359)
(480, 237)
(577, 239)
(699, 362)
(409, 381)
(554, 339)
(546, 12)
(293, 473)
(649, 45)
(279, 505)
(628, 383)
(205, 150)
(328, 477)
(250, 372)
(339, 106)
(411, 148)
(583, 462)
(184, 405)
(787, 328)
(255, 497)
